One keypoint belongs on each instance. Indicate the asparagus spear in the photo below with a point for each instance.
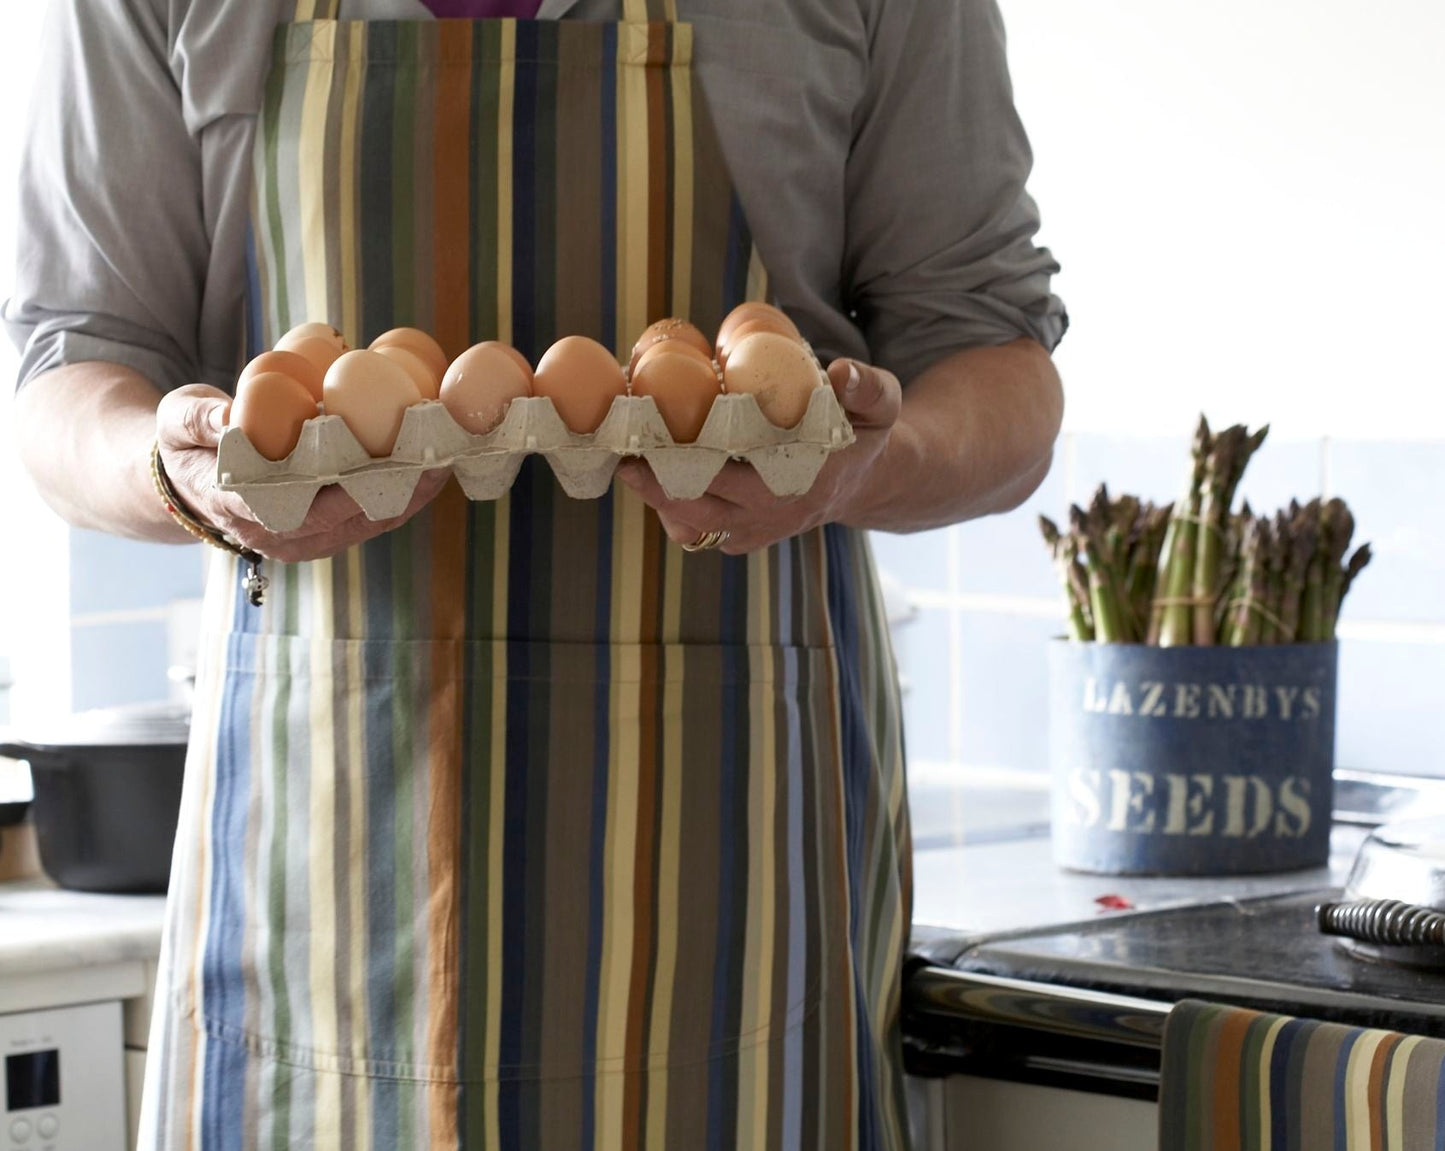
(1270, 623)
(1071, 573)
(1219, 470)
(1358, 562)
(1303, 532)
(1109, 625)
(1171, 623)
(1312, 610)
(1144, 561)
(1343, 530)
(1258, 591)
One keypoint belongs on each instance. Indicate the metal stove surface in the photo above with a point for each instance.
(1263, 953)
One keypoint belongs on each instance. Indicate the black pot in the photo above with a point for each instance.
(108, 799)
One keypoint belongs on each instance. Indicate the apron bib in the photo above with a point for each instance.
(519, 828)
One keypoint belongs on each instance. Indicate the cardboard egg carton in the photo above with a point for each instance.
(280, 492)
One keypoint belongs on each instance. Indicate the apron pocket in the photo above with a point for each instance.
(464, 861)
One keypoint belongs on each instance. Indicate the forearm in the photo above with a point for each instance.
(85, 432)
(975, 436)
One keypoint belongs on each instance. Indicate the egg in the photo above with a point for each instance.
(682, 383)
(673, 348)
(427, 383)
(371, 393)
(482, 383)
(778, 370)
(670, 329)
(750, 328)
(318, 349)
(419, 344)
(582, 378)
(512, 354)
(753, 312)
(270, 409)
(315, 331)
(299, 368)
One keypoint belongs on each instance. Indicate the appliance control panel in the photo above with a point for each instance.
(62, 1080)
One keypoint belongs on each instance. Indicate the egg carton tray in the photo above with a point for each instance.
(280, 492)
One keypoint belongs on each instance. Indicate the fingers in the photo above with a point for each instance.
(683, 520)
(739, 483)
(336, 522)
(871, 396)
(192, 417)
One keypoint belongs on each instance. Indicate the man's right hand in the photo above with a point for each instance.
(189, 423)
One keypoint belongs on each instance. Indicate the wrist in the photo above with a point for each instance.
(872, 502)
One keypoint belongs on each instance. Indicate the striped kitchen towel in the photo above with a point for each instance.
(1248, 1081)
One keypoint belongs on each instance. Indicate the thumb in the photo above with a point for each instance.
(871, 396)
(192, 417)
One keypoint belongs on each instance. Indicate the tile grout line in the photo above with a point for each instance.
(121, 615)
(955, 644)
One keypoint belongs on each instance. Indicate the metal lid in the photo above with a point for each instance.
(1404, 861)
(148, 724)
(1397, 881)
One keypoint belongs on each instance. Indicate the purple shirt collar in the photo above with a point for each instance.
(483, 9)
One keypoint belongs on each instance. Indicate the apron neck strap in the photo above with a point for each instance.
(648, 11)
(316, 10)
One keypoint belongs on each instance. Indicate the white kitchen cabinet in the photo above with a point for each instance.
(137, 1016)
(135, 1073)
(963, 1113)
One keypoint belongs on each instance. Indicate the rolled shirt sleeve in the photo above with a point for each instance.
(940, 252)
(113, 246)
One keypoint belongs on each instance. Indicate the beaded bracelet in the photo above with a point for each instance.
(255, 583)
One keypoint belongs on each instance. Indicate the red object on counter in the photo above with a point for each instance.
(1114, 903)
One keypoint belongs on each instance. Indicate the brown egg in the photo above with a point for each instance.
(299, 368)
(778, 370)
(672, 348)
(419, 344)
(481, 384)
(318, 349)
(670, 329)
(270, 408)
(421, 374)
(753, 312)
(682, 383)
(751, 328)
(582, 378)
(515, 356)
(371, 393)
(316, 331)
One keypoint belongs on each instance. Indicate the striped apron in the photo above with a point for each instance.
(520, 828)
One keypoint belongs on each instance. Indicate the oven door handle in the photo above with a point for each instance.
(1060, 1010)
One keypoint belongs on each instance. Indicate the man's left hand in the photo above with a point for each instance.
(739, 503)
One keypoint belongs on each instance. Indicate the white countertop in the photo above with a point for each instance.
(44, 929)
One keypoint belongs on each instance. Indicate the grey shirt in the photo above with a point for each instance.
(874, 145)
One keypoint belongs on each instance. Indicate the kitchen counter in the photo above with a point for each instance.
(44, 928)
(59, 948)
(967, 894)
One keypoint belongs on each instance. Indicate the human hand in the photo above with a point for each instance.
(189, 423)
(739, 503)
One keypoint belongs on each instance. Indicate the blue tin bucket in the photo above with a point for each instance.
(1191, 760)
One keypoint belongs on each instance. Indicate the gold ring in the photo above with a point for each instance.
(707, 541)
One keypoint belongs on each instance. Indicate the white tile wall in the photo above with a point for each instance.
(974, 658)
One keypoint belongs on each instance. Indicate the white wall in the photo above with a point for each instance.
(1248, 200)
(34, 580)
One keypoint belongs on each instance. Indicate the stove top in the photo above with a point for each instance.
(1265, 953)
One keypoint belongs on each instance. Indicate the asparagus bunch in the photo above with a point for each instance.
(1293, 576)
(1194, 572)
(1107, 562)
